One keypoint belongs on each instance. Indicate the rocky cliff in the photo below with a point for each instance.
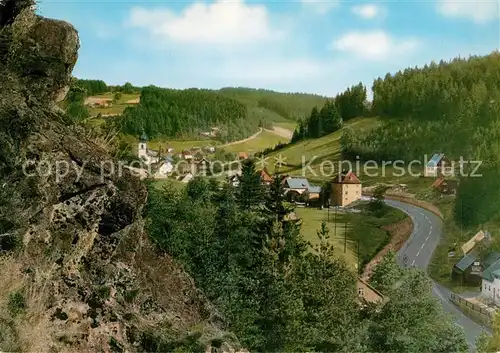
(77, 271)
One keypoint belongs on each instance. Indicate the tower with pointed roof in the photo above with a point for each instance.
(346, 188)
(142, 149)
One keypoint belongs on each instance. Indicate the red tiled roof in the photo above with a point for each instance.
(264, 175)
(346, 178)
(438, 182)
(243, 155)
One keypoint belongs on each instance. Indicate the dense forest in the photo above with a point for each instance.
(291, 106)
(91, 87)
(346, 105)
(187, 113)
(95, 87)
(274, 293)
(451, 107)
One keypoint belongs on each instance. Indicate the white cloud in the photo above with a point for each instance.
(367, 11)
(374, 45)
(220, 23)
(321, 7)
(477, 11)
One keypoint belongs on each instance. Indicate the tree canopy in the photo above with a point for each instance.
(180, 113)
(276, 294)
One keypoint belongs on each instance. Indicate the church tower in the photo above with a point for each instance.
(142, 150)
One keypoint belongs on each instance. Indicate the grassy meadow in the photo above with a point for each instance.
(116, 108)
(264, 140)
(346, 229)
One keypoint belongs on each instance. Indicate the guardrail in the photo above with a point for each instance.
(480, 312)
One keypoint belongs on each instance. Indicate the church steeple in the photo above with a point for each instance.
(143, 138)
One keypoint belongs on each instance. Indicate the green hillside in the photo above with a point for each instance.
(288, 106)
(316, 151)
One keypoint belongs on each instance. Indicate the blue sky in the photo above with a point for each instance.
(294, 46)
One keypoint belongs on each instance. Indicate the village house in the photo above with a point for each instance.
(295, 187)
(469, 270)
(202, 167)
(144, 153)
(299, 189)
(210, 149)
(186, 178)
(445, 186)
(187, 155)
(312, 196)
(439, 164)
(346, 188)
(265, 177)
(481, 237)
(166, 168)
(490, 284)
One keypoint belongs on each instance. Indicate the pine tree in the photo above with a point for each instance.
(250, 191)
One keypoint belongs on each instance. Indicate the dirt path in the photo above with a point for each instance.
(280, 131)
(244, 140)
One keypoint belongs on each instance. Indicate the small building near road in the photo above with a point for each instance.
(481, 237)
(166, 168)
(467, 271)
(490, 285)
(295, 187)
(346, 188)
(366, 293)
(312, 196)
(242, 155)
(439, 164)
(445, 186)
(470, 268)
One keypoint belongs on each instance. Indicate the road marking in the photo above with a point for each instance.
(418, 253)
(422, 246)
(427, 238)
(413, 263)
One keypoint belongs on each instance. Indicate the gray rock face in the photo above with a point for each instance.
(90, 278)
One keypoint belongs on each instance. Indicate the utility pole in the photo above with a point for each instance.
(345, 237)
(359, 267)
(335, 223)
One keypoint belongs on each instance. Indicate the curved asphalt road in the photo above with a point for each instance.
(427, 228)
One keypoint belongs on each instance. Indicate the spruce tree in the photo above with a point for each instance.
(250, 190)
